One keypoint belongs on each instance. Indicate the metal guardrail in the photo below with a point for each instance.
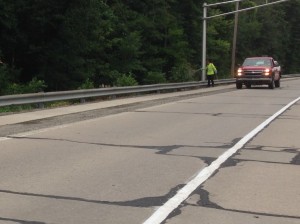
(42, 97)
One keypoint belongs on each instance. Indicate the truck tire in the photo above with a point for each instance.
(271, 84)
(239, 85)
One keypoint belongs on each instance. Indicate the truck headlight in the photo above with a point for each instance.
(267, 72)
(239, 72)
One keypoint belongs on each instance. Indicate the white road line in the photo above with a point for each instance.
(162, 212)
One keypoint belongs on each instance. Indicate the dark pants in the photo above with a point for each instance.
(210, 79)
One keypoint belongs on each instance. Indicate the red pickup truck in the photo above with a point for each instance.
(258, 71)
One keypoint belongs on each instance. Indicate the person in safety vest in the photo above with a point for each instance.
(211, 71)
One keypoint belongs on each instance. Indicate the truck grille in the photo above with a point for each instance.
(253, 72)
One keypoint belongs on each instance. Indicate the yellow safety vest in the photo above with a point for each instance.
(210, 69)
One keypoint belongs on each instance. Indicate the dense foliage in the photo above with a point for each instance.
(69, 44)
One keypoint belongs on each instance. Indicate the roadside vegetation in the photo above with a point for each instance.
(65, 45)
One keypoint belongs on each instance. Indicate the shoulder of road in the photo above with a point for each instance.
(79, 108)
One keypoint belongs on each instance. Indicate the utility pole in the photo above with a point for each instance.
(233, 53)
(204, 42)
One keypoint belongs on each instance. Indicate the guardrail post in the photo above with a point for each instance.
(41, 105)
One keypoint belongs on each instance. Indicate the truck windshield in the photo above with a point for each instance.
(256, 62)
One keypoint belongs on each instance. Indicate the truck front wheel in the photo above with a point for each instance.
(239, 85)
(271, 84)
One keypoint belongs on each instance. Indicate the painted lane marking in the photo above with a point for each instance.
(162, 212)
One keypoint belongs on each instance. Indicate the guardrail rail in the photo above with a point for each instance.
(113, 92)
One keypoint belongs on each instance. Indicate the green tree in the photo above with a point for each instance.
(292, 44)
(84, 43)
(126, 80)
(249, 32)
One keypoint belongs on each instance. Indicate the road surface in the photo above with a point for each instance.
(133, 163)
